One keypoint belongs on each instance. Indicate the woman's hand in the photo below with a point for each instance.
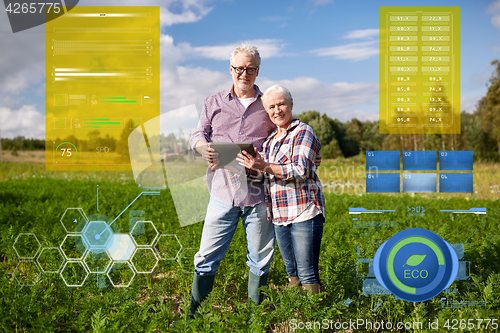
(248, 161)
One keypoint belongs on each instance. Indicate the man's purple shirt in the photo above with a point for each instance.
(224, 119)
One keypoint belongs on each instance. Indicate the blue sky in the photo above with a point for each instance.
(325, 52)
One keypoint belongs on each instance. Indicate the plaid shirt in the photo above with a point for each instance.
(287, 197)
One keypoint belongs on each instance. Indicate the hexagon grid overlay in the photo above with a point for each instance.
(186, 259)
(168, 247)
(74, 220)
(121, 273)
(73, 247)
(93, 247)
(144, 260)
(144, 233)
(26, 246)
(50, 260)
(74, 273)
(27, 273)
(97, 263)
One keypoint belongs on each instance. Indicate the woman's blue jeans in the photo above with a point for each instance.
(300, 245)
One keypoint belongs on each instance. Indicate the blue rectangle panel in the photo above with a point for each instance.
(419, 183)
(382, 183)
(382, 161)
(456, 182)
(420, 160)
(456, 160)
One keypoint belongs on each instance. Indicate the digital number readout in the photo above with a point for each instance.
(419, 70)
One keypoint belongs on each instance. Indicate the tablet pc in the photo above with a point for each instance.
(228, 151)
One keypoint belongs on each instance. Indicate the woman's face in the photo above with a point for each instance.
(279, 110)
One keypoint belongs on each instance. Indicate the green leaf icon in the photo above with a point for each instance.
(415, 259)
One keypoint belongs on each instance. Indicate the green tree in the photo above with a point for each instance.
(326, 129)
(489, 107)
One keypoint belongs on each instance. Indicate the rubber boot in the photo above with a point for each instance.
(312, 288)
(293, 281)
(254, 283)
(202, 286)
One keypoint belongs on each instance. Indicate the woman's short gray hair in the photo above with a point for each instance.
(277, 89)
(247, 48)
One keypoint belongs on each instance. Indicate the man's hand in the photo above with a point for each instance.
(209, 154)
(317, 161)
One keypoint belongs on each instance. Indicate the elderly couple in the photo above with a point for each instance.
(288, 153)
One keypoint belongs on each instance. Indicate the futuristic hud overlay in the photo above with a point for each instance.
(95, 245)
(102, 113)
(419, 70)
(102, 81)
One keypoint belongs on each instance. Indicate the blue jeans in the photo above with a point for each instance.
(218, 231)
(300, 245)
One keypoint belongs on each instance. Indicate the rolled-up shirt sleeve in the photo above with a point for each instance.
(305, 148)
(204, 130)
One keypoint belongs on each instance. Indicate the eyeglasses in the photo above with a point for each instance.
(240, 70)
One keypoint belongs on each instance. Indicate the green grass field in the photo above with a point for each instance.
(33, 201)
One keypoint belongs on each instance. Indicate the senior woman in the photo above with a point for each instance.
(294, 195)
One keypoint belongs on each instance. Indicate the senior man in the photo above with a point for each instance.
(234, 115)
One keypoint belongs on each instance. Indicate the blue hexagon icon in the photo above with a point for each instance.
(97, 236)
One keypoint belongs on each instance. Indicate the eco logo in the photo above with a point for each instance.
(415, 264)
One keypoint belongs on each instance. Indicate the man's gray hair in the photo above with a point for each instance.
(278, 89)
(247, 48)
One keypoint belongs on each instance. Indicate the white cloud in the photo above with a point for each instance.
(190, 14)
(181, 86)
(469, 103)
(362, 34)
(354, 51)
(494, 9)
(25, 121)
(322, 2)
(22, 65)
(338, 100)
(268, 48)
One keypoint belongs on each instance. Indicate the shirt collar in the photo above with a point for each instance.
(230, 93)
(291, 126)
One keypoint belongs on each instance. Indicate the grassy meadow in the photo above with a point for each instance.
(33, 201)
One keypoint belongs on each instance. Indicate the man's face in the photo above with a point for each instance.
(243, 81)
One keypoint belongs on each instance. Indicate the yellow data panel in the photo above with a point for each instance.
(419, 70)
(102, 81)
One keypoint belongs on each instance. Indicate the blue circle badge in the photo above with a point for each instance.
(415, 264)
